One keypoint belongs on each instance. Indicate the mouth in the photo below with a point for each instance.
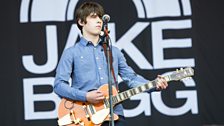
(98, 26)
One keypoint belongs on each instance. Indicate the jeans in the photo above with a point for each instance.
(119, 122)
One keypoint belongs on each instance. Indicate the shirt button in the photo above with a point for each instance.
(101, 78)
(97, 57)
(99, 68)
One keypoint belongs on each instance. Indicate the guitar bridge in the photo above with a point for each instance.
(76, 121)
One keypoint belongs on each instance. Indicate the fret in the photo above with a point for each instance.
(143, 88)
(140, 89)
(174, 76)
(132, 92)
(106, 103)
(112, 99)
(115, 100)
(150, 85)
(118, 98)
(167, 78)
(91, 109)
(125, 95)
(136, 90)
(154, 83)
(122, 96)
(147, 86)
(129, 93)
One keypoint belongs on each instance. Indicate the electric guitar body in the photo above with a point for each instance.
(83, 113)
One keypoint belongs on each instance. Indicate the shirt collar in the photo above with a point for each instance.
(85, 42)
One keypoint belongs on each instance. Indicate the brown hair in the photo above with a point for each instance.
(85, 10)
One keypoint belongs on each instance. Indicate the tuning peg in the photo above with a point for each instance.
(189, 78)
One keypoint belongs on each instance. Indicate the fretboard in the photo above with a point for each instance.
(131, 92)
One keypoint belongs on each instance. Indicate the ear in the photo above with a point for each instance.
(81, 22)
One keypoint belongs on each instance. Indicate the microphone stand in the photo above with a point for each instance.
(106, 41)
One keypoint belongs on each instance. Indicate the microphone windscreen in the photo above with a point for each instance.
(106, 18)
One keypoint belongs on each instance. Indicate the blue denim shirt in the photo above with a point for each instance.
(86, 65)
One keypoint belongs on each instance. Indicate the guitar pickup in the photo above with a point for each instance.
(87, 115)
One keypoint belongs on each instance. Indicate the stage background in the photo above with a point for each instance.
(155, 36)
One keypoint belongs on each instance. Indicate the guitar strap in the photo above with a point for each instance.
(111, 65)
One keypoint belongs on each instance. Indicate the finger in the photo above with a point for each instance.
(158, 86)
(100, 98)
(100, 95)
(99, 92)
(163, 81)
(161, 84)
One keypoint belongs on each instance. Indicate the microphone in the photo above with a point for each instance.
(106, 18)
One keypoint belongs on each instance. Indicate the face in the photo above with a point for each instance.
(93, 25)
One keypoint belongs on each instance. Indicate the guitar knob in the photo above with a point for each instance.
(78, 120)
(82, 124)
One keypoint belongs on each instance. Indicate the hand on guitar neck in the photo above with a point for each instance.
(161, 83)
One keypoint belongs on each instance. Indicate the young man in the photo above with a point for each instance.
(86, 64)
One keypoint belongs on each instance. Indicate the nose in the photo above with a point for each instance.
(99, 20)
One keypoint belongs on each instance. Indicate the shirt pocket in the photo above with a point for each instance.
(83, 64)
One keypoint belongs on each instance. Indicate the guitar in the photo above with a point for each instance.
(77, 113)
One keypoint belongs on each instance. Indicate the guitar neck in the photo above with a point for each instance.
(131, 92)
